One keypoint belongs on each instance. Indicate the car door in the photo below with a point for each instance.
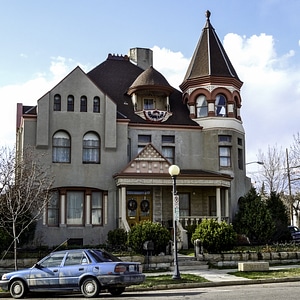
(44, 275)
(75, 265)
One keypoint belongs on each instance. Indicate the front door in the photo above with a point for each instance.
(139, 206)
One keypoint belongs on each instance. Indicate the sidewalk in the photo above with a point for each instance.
(220, 277)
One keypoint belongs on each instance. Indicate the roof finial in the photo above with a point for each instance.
(207, 14)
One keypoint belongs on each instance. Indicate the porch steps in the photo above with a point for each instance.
(188, 263)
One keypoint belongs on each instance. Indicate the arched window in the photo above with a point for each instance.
(70, 104)
(57, 103)
(83, 103)
(201, 106)
(96, 104)
(235, 110)
(61, 147)
(220, 106)
(91, 148)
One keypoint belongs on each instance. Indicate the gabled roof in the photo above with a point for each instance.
(210, 58)
(152, 168)
(148, 161)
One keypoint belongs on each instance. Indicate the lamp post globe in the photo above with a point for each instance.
(174, 170)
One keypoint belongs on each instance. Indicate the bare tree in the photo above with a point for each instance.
(293, 165)
(274, 176)
(25, 190)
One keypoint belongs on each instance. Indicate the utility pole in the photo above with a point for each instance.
(290, 190)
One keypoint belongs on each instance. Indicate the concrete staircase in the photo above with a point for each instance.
(188, 263)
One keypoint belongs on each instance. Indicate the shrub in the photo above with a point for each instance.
(117, 239)
(148, 231)
(254, 219)
(215, 237)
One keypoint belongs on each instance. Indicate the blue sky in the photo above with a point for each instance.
(44, 40)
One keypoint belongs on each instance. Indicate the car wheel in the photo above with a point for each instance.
(90, 287)
(116, 291)
(18, 289)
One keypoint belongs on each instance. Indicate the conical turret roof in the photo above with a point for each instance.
(209, 58)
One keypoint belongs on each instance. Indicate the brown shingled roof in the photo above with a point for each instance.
(210, 58)
(117, 74)
(150, 79)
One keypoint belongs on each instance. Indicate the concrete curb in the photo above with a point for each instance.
(214, 284)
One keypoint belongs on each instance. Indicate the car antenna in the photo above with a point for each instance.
(64, 242)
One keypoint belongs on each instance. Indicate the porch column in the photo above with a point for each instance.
(63, 210)
(88, 210)
(218, 204)
(227, 213)
(122, 211)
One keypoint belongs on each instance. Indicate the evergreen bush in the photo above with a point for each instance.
(117, 239)
(148, 231)
(215, 237)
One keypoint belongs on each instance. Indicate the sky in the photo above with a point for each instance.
(42, 41)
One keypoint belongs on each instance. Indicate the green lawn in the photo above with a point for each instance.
(283, 273)
(167, 279)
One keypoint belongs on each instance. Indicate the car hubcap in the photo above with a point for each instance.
(90, 288)
(17, 289)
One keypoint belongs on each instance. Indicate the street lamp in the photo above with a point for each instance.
(174, 172)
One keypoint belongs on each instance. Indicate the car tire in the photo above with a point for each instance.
(116, 291)
(18, 289)
(90, 287)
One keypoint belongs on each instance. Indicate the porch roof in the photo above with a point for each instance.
(185, 178)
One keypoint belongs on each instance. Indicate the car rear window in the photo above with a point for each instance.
(102, 256)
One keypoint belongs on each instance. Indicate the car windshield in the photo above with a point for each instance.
(102, 256)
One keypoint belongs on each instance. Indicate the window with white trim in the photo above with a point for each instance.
(53, 209)
(97, 203)
(61, 147)
(91, 148)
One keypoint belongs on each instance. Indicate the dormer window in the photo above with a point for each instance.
(148, 103)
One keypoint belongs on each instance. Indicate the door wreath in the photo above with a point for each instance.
(145, 206)
(132, 204)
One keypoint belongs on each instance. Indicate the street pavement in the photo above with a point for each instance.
(216, 277)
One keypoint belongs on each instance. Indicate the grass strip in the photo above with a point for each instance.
(282, 273)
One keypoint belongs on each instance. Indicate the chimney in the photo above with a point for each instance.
(143, 57)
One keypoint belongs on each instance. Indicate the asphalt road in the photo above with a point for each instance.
(274, 291)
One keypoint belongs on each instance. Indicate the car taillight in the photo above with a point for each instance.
(120, 269)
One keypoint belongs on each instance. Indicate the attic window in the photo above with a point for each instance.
(148, 103)
(70, 106)
(57, 103)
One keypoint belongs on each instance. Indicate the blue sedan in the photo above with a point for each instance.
(85, 270)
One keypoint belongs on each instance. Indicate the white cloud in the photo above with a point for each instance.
(28, 93)
(270, 92)
(172, 65)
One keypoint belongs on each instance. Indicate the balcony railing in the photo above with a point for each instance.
(195, 220)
